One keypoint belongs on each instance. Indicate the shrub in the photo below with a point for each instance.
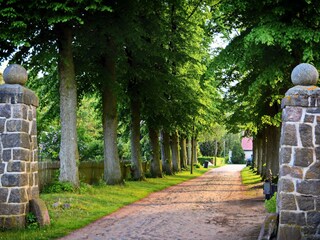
(271, 204)
(237, 154)
(58, 187)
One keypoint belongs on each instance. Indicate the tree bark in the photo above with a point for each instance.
(69, 155)
(175, 152)
(156, 167)
(194, 144)
(135, 138)
(183, 152)
(189, 151)
(112, 170)
(166, 157)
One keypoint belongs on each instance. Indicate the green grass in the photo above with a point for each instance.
(249, 177)
(92, 203)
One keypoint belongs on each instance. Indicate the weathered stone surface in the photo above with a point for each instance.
(289, 232)
(304, 74)
(34, 192)
(290, 217)
(289, 137)
(295, 172)
(287, 201)
(15, 74)
(12, 140)
(309, 187)
(306, 203)
(20, 111)
(306, 135)
(17, 126)
(313, 218)
(2, 123)
(14, 180)
(303, 157)
(285, 155)
(314, 171)
(34, 166)
(308, 232)
(5, 110)
(3, 195)
(12, 222)
(317, 134)
(12, 209)
(2, 167)
(38, 207)
(292, 114)
(285, 185)
(16, 94)
(309, 118)
(7, 155)
(35, 155)
(269, 227)
(21, 154)
(16, 166)
(313, 110)
(18, 195)
(33, 130)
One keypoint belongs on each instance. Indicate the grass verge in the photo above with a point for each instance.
(249, 177)
(70, 211)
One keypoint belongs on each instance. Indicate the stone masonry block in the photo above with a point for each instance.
(2, 123)
(289, 232)
(309, 118)
(20, 111)
(13, 222)
(35, 155)
(317, 134)
(14, 180)
(295, 172)
(289, 137)
(33, 130)
(18, 126)
(21, 154)
(13, 140)
(306, 135)
(285, 185)
(285, 155)
(314, 171)
(16, 166)
(292, 217)
(306, 203)
(5, 110)
(2, 168)
(287, 202)
(7, 155)
(12, 209)
(309, 187)
(34, 166)
(313, 218)
(292, 114)
(303, 157)
(18, 195)
(4, 195)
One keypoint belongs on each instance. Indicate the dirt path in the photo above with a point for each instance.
(214, 206)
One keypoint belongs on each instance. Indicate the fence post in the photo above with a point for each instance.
(18, 148)
(299, 178)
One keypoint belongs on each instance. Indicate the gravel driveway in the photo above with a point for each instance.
(215, 206)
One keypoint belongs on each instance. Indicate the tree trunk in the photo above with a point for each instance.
(183, 152)
(166, 158)
(135, 138)
(112, 170)
(194, 144)
(175, 152)
(189, 151)
(215, 152)
(69, 155)
(156, 167)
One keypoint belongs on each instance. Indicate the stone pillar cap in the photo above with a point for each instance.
(15, 74)
(304, 74)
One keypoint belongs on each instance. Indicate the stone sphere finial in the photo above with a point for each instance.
(15, 74)
(304, 74)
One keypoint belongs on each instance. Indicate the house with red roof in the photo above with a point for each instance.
(247, 146)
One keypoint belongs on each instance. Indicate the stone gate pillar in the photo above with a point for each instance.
(299, 180)
(18, 148)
